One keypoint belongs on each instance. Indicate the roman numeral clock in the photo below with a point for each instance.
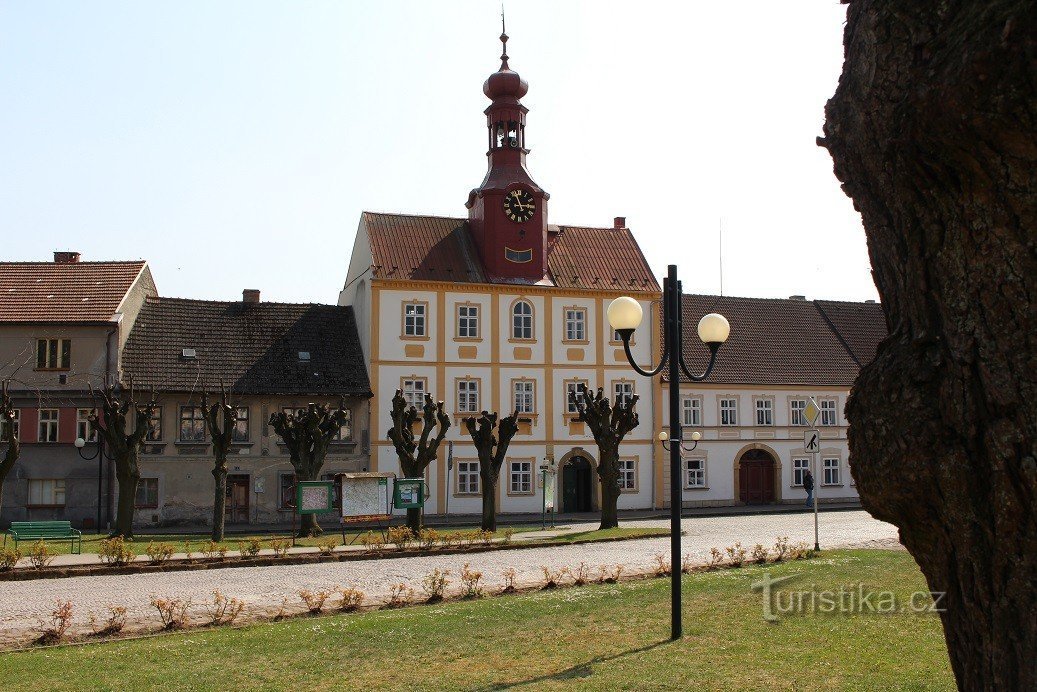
(519, 206)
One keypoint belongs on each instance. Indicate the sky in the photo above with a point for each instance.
(235, 144)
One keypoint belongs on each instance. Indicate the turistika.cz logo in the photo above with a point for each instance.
(853, 599)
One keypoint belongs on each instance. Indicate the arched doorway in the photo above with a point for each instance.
(756, 477)
(577, 485)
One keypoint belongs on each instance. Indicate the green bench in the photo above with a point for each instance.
(45, 531)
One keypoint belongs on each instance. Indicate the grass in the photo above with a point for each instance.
(595, 638)
(198, 541)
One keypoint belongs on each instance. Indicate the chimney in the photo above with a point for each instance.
(250, 295)
(66, 257)
(797, 297)
(619, 222)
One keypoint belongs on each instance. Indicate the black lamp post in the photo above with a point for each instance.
(101, 456)
(624, 316)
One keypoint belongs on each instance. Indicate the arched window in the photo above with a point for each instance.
(522, 320)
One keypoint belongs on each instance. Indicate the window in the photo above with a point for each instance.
(729, 411)
(518, 256)
(525, 395)
(617, 338)
(798, 409)
(12, 433)
(831, 469)
(522, 321)
(84, 428)
(414, 319)
(764, 412)
(48, 431)
(575, 324)
(344, 434)
(46, 492)
(240, 433)
(691, 411)
(829, 414)
(572, 387)
(286, 496)
(468, 321)
(521, 478)
(624, 391)
(468, 396)
(53, 354)
(799, 470)
(468, 478)
(147, 493)
(628, 475)
(694, 473)
(155, 426)
(192, 424)
(414, 391)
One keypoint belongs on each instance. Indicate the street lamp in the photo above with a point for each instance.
(624, 315)
(100, 455)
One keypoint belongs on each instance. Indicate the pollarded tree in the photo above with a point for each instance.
(416, 455)
(7, 434)
(609, 424)
(123, 423)
(933, 131)
(491, 457)
(220, 419)
(307, 434)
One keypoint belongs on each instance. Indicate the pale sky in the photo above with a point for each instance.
(235, 144)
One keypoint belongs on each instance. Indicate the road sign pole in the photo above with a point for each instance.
(811, 413)
(817, 486)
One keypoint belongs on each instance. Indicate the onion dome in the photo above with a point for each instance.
(505, 82)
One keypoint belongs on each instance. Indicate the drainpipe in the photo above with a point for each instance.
(107, 378)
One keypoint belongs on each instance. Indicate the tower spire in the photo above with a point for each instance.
(504, 41)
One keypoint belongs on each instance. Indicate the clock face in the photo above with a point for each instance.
(519, 205)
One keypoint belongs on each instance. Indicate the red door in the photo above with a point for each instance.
(756, 478)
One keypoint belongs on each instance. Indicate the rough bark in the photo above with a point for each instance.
(609, 424)
(307, 434)
(491, 457)
(7, 435)
(933, 131)
(220, 419)
(416, 454)
(123, 442)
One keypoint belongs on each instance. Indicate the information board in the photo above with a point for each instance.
(365, 496)
(549, 491)
(314, 497)
(409, 493)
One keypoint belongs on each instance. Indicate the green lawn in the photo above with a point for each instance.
(594, 637)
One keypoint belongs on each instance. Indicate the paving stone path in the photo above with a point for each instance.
(265, 588)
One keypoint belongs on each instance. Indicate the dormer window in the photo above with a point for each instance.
(304, 356)
(53, 354)
(518, 256)
(189, 354)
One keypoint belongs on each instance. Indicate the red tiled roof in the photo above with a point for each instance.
(438, 248)
(784, 342)
(64, 292)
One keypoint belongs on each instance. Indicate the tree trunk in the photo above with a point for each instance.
(127, 499)
(489, 501)
(414, 519)
(219, 505)
(608, 474)
(932, 130)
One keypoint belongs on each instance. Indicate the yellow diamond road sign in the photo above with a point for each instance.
(811, 411)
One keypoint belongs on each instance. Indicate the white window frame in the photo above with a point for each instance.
(520, 477)
(624, 388)
(16, 428)
(46, 492)
(797, 412)
(764, 412)
(415, 318)
(344, 434)
(800, 466)
(468, 396)
(59, 359)
(524, 396)
(831, 473)
(467, 477)
(241, 425)
(414, 394)
(694, 473)
(522, 321)
(627, 475)
(200, 421)
(829, 412)
(48, 429)
(467, 321)
(576, 324)
(574, 387)
(691, 411)
(84, 428)
(728, 414)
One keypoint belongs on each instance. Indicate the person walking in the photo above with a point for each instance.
(808, 485)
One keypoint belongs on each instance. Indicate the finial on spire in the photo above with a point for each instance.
(503, 40)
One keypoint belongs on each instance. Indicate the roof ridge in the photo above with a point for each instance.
(50, 263)
(157, 299)
(416, 216)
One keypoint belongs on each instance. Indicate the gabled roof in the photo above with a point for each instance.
(64, 291)
(439, 248)
(253, 348)
(785, 342)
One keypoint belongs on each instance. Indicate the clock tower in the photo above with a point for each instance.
(507, 213)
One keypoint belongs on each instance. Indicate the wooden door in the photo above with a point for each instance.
(237, 499)
(756, 478)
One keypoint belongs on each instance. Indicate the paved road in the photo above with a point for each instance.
(264, 588)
